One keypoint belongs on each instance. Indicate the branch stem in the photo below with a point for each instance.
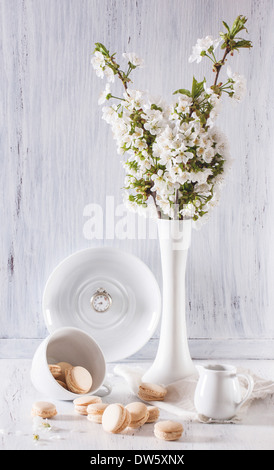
(153, 195)
(220, 64)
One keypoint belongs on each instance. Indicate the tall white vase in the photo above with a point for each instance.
(173, 361)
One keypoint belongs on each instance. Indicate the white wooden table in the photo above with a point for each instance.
(75, 432)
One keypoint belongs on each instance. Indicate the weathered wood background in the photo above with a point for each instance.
(58, 157)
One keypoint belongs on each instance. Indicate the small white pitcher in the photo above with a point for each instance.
(218, 392)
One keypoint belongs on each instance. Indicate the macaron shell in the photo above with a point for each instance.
(115, 418)
(55, 370)
(153, 414)
(43, 409)
(95, 412)
(87, 400)
(81, 404)
(167, 436)
(81, 410)
(64, 365)
(63, 384)
(78, 380)
(97, 408)
(126, 421)
(138, 414)
(168, 430)
(151, 392)
(95, 418)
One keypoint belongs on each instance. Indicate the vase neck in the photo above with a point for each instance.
(175, 233)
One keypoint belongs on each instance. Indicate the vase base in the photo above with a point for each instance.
(166, 375)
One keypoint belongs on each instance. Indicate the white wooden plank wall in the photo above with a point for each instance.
(58, 157)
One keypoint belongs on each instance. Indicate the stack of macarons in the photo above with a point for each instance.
(90, 406)
(118, 416)
(81, 404)
(76, 379)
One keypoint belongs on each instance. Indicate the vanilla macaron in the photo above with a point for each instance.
(95, 412)
(78, 380)
(64, 365)
(63, 384)
(55, 370)
(168, 430)
(138, 414)
(44, 409)
(153, 414)
(151, 392)
(81, 403)
(115, 418)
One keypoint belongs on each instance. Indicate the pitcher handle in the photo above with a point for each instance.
(250, 383)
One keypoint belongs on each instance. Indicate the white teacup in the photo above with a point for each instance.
(71, 345)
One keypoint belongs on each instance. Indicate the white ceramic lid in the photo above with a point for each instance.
(135, 308)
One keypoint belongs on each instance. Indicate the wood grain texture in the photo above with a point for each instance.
(58, 156)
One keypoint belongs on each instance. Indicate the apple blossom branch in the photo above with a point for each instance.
(177, 155)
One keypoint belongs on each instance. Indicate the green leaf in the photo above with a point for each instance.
(131, 65)
(238, 25)
(194, 86)
(197, 88)
(183, 91)
(226, 26)
(156, 108)
(101, 48)
(242, 43)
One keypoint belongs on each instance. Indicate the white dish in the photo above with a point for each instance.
(135, 310)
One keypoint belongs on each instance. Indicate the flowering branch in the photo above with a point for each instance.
(176, 155)
(231, 42)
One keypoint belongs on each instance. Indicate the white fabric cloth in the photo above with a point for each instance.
(180, 395)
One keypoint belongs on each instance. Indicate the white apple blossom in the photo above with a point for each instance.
(204, 188)
(103, 95)
(216, 104)
(134, 99)
(98, 63)
(184, 104)
(208, 154)
(188, 211)
(109, 74)
(238, 85)
(110, 114)
(155, 121)
(133, 59)
(202, 46)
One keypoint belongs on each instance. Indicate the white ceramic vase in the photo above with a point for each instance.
(173, 361)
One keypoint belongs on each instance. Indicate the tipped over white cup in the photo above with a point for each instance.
(76, 347)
